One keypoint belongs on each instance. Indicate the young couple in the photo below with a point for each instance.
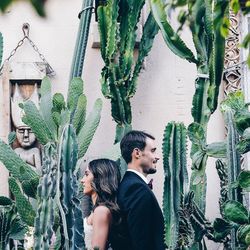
(126, 214)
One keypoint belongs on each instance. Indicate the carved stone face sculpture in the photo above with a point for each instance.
(25, 136)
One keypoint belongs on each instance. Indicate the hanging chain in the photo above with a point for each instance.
(25, 28)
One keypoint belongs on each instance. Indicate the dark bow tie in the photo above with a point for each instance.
(150, 184)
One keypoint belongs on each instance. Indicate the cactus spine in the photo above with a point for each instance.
(176, 180)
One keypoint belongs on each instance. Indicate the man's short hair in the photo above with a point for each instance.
(133, 139)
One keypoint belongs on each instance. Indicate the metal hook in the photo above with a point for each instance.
(26, 29)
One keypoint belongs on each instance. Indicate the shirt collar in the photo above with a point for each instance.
(139, 174)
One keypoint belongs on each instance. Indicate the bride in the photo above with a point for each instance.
(100, 182)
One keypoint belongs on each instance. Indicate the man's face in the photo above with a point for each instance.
(149, 157)
(25, 136)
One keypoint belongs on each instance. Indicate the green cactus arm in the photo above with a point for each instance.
(216, 59)
(103, 24)
(46, 105)
(58, 102)
(24, 207)
(46, 191)
(197, 26)
(82, 39)
(80, 113)
(15, 165)
(200, 110)
(88, 130)
(108, 27)
(150, 30)
(74, 91)
(1, 48)
(198, 184)
(176, 180)
(223, 175)
(233, 156)
(127, 51)
(172, 39)
(67, 188)
(38, 125)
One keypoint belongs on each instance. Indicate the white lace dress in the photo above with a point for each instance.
(88, 230)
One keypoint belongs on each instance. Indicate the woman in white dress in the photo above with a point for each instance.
(100, 182)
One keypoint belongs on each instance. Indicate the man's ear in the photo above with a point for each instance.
(136, 154)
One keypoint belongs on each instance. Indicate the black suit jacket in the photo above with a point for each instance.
(142, 226)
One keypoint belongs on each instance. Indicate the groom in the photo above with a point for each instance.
(142, 220)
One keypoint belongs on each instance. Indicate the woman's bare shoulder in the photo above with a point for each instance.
(102, 213)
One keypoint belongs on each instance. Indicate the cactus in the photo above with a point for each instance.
(23, 205)
(205, 25)
(67, 189)
(121, 71)
(176, 180)
(17, 167)
(46, 192)
(82, 38)
(11, 225)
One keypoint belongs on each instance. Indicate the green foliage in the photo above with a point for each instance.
(67, 190)
(176, 180)
(234, 211)
(74, 91)
(11, 137)
(118, 22)
(38, 5)
(24, 207)
(46, 105)
(15, 165)
(34, 119)
(87, 131)
(244, 179)
(172, 39)
(10, 223)
(44, 220)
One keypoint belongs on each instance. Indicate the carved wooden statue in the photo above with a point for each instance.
(25, 137)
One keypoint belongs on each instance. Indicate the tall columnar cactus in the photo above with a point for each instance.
(205, 22)
(176, 180)
(46, 192)
(82, 39)
(118, 23)
(67, 190)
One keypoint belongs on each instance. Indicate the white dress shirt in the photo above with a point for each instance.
(139, 174)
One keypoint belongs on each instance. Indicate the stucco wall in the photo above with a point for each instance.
(165, 87)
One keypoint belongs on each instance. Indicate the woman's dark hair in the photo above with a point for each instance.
(105, 183)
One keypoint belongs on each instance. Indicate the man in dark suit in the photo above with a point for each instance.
(142, 220)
